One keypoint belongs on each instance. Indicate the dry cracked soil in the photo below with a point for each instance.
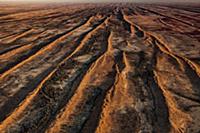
(99, 68)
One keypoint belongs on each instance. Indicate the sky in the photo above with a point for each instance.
(87, 1)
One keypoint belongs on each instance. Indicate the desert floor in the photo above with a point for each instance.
(103, 68)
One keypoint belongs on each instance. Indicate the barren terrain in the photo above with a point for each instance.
(99, 68)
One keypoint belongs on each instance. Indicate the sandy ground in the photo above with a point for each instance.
(104, 68)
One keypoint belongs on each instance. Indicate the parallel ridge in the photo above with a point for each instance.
(104, 68)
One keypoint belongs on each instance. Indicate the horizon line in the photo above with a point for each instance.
(67, 2)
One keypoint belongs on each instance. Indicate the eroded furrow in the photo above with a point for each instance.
(103, 68)
(133, 104)
(160, 14)
(48, 61)
(28, 39)
(180, 88)
(37, 50)
(58, 84)
(135, 29)
(176, 66)
(183, 61)
(12, 40)
(93, 85)
(4, 35)
(164, 48)
(120, 16)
